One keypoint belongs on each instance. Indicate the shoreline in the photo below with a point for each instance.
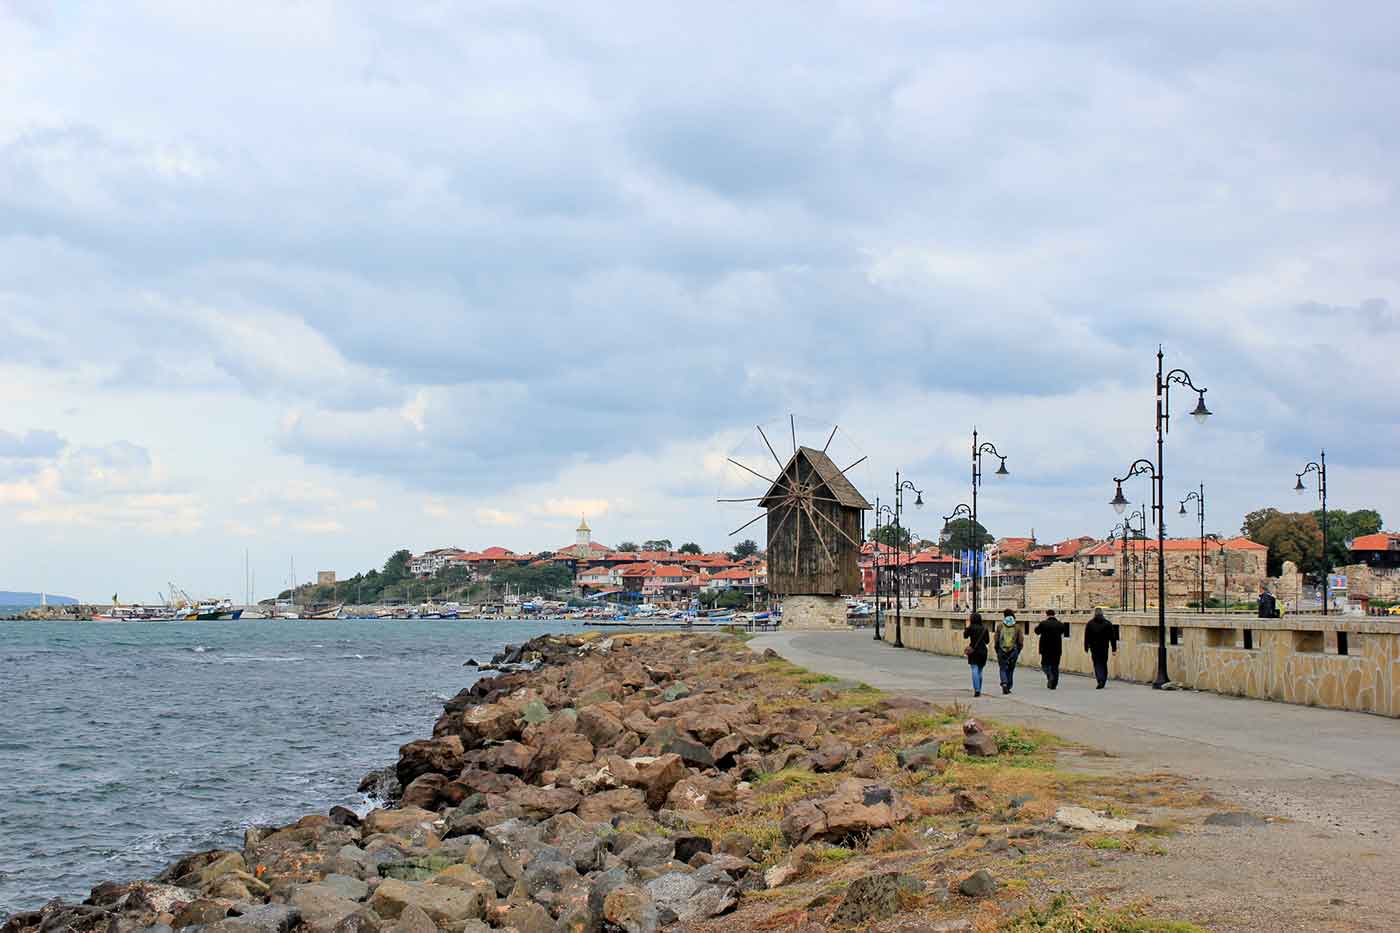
(615, 781)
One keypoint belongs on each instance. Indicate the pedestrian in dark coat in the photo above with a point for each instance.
(1099, 636)
(1009, 642)
(977, 637)
(1052, 634)
(1268, 605)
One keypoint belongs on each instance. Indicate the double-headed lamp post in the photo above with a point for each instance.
(1157, 471)
(1319, 467)
(892, 573)
(963, 510)
(1225, 562)
(978, 449)
(877, 568)
(1200, 497)
(900, 485)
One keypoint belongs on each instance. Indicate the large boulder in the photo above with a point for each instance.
(875, 897)
(429, 756)
(445, 904)
(601, 808)
(599, 725)
(656, 776)
(322, 906)
(489, 722)
(397, 822)
(630, 909)
(855, 807)
(540, 803)
(425, 791)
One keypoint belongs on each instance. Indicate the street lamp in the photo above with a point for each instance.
(1200, 497)
(963, 511)
(978, 449)
(899, 487)
(1157, 472)
(1225, 560)
(877, 567)
(1320, 468)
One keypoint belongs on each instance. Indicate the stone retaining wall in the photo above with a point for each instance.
(1311, 660)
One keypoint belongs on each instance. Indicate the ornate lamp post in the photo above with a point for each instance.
(965, 511)
(1225, 560)
(978, 449)
(899, 487)
(1320, 468)
(1200, 497)
(1157, 471)
(878, 510)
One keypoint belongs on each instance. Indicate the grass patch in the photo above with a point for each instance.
(1015, 742)
(836, 854)
(924, 722)
(1064, 916)
(811, 680)
(1107, 842)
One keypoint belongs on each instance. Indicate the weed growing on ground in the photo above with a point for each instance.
(811, 680)
(1064, 916)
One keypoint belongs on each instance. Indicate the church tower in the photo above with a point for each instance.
(583, 543)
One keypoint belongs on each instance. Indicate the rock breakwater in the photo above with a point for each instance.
(621, 783)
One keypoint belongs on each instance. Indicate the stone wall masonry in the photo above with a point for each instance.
(1310, 660)
(814, 613)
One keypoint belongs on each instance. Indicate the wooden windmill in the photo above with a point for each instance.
(816, 523)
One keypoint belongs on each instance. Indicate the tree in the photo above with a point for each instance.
(657, 544)
(690, 547)
(896, 536)
(1254, 521)
(396, 567)
(962, 535)
(1343, 526)
(1294, 536)
(628, 547)
(745, 548)
(534, 580)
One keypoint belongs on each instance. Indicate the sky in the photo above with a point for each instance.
(311, 281)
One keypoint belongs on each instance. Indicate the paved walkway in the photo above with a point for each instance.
(1197, 734)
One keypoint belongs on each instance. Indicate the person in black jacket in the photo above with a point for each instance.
(1268, 605)
(1052, 634)
(1099, 636)
(977, 638)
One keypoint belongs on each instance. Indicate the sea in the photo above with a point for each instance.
(126, 745)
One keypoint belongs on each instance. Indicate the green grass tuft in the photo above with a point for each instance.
(1064, 916)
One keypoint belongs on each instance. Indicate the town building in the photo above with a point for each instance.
(1380, 551)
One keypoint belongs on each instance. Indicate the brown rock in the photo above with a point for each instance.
(396, 822)
(977, 741)
(508, 758)
(657, 776)
(830, 756)
(490, 722)
(601, 808)
(727, 747)
(429, 756)
(540, 803)
(476, 781)
(424, 792)
(855, 807)
(599, 725)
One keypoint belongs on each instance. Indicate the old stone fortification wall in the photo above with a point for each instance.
(1072, 585)
(814, 613)
(1364, 581)
(1312, 660)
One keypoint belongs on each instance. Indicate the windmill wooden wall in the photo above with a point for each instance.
(799, 561)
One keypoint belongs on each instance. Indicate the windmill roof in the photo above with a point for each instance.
(831, 476)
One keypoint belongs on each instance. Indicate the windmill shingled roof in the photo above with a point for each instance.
(831, 476)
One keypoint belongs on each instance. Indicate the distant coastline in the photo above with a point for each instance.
(10, 598)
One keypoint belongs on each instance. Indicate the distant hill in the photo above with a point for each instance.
(8, 598)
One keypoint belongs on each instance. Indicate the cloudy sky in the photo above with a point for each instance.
(317, 280)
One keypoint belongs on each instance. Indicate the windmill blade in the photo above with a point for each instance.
(828, 520)
(792, 421)
(797, 547)
(830, 437)
(854, 465)
(775, 482)
(748, 523)
(749, 499)
(770, 448)
(820, 540)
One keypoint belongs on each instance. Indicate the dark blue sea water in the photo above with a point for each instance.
(123, 746)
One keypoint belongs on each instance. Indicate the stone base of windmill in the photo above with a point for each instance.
(814, 614)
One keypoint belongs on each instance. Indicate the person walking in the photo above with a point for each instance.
(1268, 605)
(977, 637)
(1052, 634)
(1009, 643)
(1100, 635)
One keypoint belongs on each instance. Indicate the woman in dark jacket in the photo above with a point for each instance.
(1052, 634)
(977, 638)
(1099, 636)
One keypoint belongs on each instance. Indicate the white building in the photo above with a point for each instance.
(429, 563)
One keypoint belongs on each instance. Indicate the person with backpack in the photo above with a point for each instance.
(977, 637)
(1099, 636)
(1268, 605)
(1009, 643)
(1052, 634)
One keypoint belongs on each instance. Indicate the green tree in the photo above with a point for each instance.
(396, 567)
(657, 544)
(961, 534)
(892, 536)
(1294, 536)
(1256, 520)
(535, 581)
(1343, 526)
(690, 547)
(745, 548)
(628, 547)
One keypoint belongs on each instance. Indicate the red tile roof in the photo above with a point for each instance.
(1381, 541)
